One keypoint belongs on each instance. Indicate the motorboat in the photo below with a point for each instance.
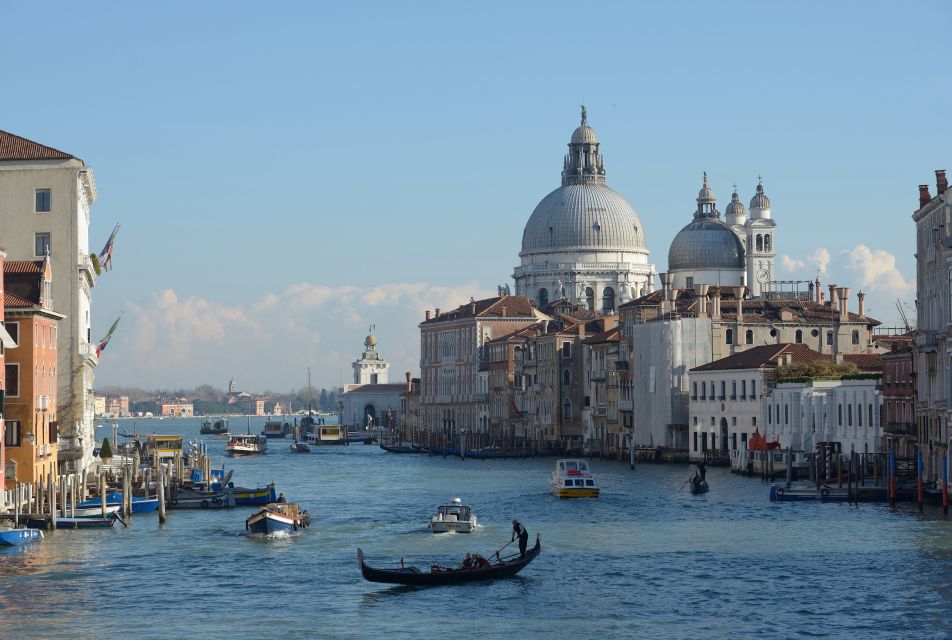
(93, 511)
(572, 479)
(139, 504)
(278, 517)
(246, 445)
(504, 567)
(300, 447)
(15, 536)
(75, 522)
(194, 499)
(217, 428)
(453, 518)
(258, 495)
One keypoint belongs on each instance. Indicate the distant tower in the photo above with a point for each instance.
(761, 244)
(370, 368)
(232, 388)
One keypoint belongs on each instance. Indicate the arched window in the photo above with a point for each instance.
(855, 337)
(590, 299)
(859, 415)
(729, 336)
(767, 242)
(567, 409)
(749, 337)
(798, 336)
(543, 297)
(839, 414)
(566, 378)
(608, 300)
(849, 415)
(760, 242)
(786, 414)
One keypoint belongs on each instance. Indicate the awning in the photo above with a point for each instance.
(6, 339)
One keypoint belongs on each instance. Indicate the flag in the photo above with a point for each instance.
(105, 256)
(105, 339)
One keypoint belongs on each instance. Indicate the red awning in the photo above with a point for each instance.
(759, 442)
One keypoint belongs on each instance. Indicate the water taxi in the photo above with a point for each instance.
(246, 445)
(454, 517)
(329, 434)
(572, 479)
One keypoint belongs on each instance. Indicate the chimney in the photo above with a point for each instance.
(504, 312)
(472, 308)
(664, 285)
(427, 314)
(545, 327)
(924, 196)
(409, 382)
(843, 293)
(669, 287)
(700, 290)
(787, 359)
(838, 358)
(436, 312)
(862, 303)
(822, 298)
(818, 291)
(581, 331)
(832, 288)
(941, 182)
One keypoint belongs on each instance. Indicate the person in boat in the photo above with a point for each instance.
(702, 470)
(467, 562)
(518, 530)
(281, 498)
(479, 562)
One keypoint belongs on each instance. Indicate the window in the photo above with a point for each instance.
(695, 440)
(798, 336)
(566, 349)
(769, 414)
(695, 421)
(871, 414)
(703, 391)
(734, 441)
(749, 337)
(723, 390)
(42, 242)
(373, 378)
(543, 297)
(753, 389)
(12, 374)
(44, 200)
(566, 378)
(689, 282)
(859, 415)
(760, 242)
(849, 415)
(733, 389)
(829, 337)
(743, 389)
(13, 328)
(786, 414)
(589, 298)
(733, 421)
(11, 433)
(567, 410)
(839, 415)
(767, 242)
(729, 336)
(753, 421)
(608, 300)
(693, 391)
(855, 337)
(712, 421)
(743, 439)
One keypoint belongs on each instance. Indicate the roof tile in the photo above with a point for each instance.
(14, 147)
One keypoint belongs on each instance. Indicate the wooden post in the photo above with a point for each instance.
(51, 491)
(72, 496)
(160, 490)
(62, 495)
(919, 478)
(891, 472)
(102, 492)
(17, 495)
(945, 483)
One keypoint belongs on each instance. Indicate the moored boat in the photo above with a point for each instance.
(139, 504)
(823, 493)
(258, 495)
(453, 518)
(189, 499)
(278, 517)
(246, 445)
(218, 427)
(93, 511)
(15, 536)
(439, 575)
(329, 434)
(275, 429)
(75, 523)
(572, 479)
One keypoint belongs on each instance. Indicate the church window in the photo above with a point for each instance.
(590, 298)
(689, 284)
(855, 337)
(767, 242)
(729, 336)
(773, 333)
(567, 409)
(608, 300)
(749, 337)
(798, 336)
(543, 297)
(760, 242)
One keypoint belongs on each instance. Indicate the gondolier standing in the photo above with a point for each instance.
(519, 530)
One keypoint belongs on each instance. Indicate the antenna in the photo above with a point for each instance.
(902, 315)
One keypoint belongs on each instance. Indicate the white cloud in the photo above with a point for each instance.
(818, 260)
(268, 343)
(876, 272)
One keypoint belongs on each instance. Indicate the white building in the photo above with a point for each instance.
(45, 197)
(370, 368)
(370, 401)
(802, 414)
(584, 242)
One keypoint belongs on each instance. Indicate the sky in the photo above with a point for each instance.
(286, 174)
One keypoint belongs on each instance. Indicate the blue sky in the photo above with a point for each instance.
(287, 174)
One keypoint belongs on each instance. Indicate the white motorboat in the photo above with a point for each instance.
(246, 445)
(454, 517)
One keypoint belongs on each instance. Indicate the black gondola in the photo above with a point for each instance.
(438, 575)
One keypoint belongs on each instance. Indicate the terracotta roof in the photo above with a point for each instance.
(378, 388)
(13, 301)
(14, 147)
(764, 356)
(612, 335)
(865, 361)
(514, 306)
(23, 266)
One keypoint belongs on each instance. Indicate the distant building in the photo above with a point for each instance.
(371, 401)
(45, 201)
(30, 372)
(119, 405)
(370, 368)
(99, 405)
(177, 410)
(278, 409)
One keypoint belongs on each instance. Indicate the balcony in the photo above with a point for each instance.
(88, 352)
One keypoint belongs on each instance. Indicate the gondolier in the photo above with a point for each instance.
(518, 530)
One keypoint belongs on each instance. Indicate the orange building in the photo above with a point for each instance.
(178, 410)
(30, 372)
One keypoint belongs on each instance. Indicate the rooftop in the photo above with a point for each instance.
(14, 147)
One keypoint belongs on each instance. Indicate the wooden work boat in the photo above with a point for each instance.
(275, 518)
(258, 495)
(439, 575)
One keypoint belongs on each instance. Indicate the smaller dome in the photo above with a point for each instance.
(735, 207)
(759, 201)
(584, 135)
(706, 244)
(706, 194)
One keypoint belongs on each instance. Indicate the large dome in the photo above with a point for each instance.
(706, 244)
(583, 216)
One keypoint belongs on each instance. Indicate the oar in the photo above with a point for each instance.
(501, 548)
(681, 488)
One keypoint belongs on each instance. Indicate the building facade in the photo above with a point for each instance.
(45, 201)
(177, 409)
(584, 242)
(118, 406)
(899, 399)
(31, 415)
(603, 434)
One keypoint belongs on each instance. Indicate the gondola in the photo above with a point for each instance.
(439, 575)
(700, 487)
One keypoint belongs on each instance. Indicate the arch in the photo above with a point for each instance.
(608, 300)
(767, 243)
(729, 336)
(370, 415)
(567, 409)
(798, 336)
(590, 298)
(566, 378)
(760, 242)
(749, 336)
(543, 297)
(723, 437)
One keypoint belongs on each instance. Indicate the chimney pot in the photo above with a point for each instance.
(437, 312)
(832, 288)
(924, 196)
(862, 303)
(427, 314)
(941, 182)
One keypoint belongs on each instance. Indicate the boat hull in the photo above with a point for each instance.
(267, 523)
(16, 537)
(75, 523)
(195, 500)
(261, 495)
(442, 526)
(139, 504)
(573, 492)
(804, 494)
(444, 576)
(703, 487)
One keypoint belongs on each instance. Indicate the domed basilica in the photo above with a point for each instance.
(584, 242)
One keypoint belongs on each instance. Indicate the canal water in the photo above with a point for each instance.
(647, 559)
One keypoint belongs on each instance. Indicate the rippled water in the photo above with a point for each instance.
(644, 560)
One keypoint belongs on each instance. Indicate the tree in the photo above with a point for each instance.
(105, 452)
(324, 399)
